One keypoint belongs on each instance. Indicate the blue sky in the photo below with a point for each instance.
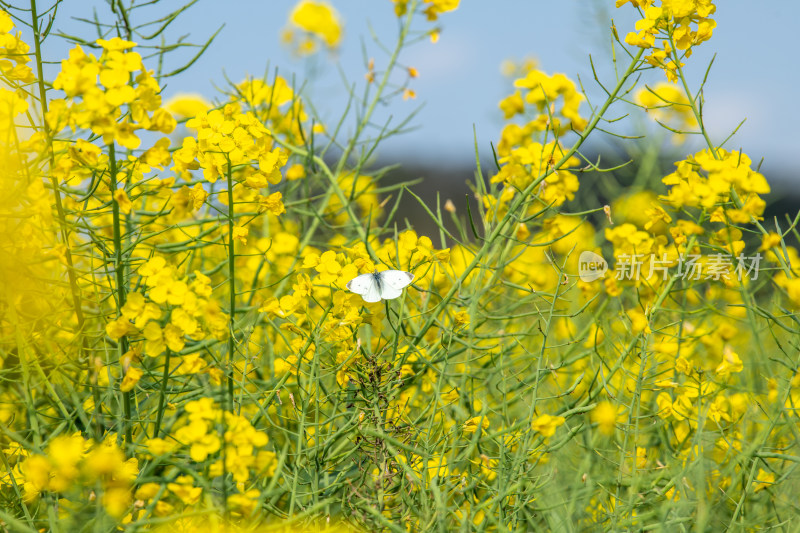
(753, 76)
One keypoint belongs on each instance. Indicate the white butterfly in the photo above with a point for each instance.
(378, 286)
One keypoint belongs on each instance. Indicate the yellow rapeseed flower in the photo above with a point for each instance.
(319, 19)
(546, 425)
(131, 378)
(240, 234)
(187, 105)
(606, 416)
(472, 424)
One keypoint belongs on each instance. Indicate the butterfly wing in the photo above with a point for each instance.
(396, 279)
(393, 282)
(366, 286)
(390, 293)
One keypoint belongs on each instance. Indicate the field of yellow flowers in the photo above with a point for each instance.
(179, 350)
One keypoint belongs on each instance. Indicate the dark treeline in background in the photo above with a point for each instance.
(439, 183)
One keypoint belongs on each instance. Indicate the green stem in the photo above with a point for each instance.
(745, 292)
(747, 296)
(232, 289)
(367, 116)
(162, 399)
(692, 103)
(119, 272)
(699, 117)
(228, 392)
(523, 196)
(62, 219)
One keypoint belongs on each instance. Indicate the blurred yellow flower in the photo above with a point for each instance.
(132, 377)
(187, 105)
(472, 424)
(606, 416)
(771, 240)
(319, 19)
(731, 363)
(272, 204)
(436, 7)
(437, 467)
(123, 201)
(667, 104)
(240, 234)
(547, 424)
(296, 172)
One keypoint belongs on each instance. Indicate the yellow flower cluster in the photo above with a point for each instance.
(123, 84)
(184, 354)
(319, 293)
(186, 308)
(184, 105)
(228, 138)
(529, 152)
(31, 256)
(705, 181)
(14, 68)
(790, 283)
(72, 463)
(278, 107)
(312, 22)
(363, 194)
(679, 24)
(524, 163)
(239, 451)
(546, 425)
(542, 91)
(432, 10)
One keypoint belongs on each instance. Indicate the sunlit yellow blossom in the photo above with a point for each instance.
(685, 23)
(146, 491)
(450, 396)
(543, 91)
(282, 366)
(184, 489)
(115, 44)
(437, 467)
(764, 479)
(461, 318)
(639, 321)
(512, 105)
(159, 446)
(244, 504)
(769, 241)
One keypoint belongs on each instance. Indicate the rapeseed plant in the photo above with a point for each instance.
(179, 350)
